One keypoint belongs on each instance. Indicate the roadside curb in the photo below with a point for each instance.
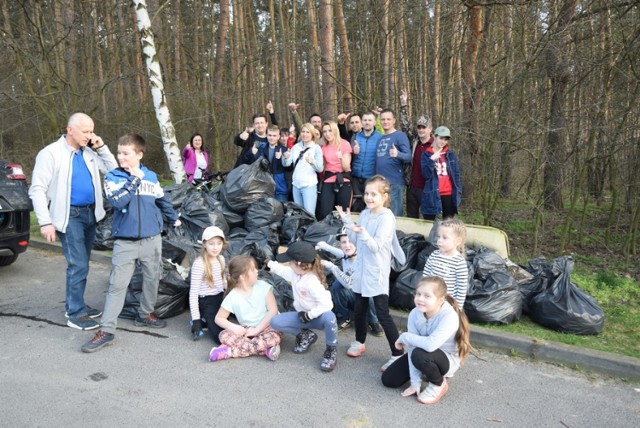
(482, 337)
(541, 350)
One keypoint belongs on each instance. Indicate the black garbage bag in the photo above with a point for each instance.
(263, 212)
(325, 230)
(233, 218)
(281, 290)
(412, 244)
(103, 240)
(423, 255)
(177, 193)
(497, 300)
(487, 262)
(541, 276)
(564, 307)
(295, 222)
(173, 293)
(246, 184)
(261, 243)
(403, 290)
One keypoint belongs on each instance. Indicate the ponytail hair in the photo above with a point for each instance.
(238, 265)
(463, 333)
(316, 268)
(462, 336)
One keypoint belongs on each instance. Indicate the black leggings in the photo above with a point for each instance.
(433, 365)
(329, 198)
(209, 306)
(449, 209)
(361, 309)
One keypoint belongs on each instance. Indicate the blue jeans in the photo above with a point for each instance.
(344, 302)
(282, 197)
(288, 322)
(397, 192)
(307, 197)
(76, 246)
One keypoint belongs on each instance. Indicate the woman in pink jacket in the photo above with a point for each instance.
(195, 158)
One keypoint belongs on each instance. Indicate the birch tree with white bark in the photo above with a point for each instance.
(167, 131)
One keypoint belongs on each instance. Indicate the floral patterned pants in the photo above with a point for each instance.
(242, 346)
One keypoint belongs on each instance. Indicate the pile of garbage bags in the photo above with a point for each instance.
(255, 223)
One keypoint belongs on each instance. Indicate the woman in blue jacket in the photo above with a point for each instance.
(442, 192)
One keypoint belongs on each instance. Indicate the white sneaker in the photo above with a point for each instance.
(432, 393)
(388, 363)
(356, 349)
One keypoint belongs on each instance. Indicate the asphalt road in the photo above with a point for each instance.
(163, 378)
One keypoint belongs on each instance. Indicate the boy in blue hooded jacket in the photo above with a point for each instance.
(138, 204)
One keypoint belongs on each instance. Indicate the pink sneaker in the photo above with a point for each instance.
(221, 352)
(272, 353)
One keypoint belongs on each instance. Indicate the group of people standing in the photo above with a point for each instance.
(329, 161)
(68, 203)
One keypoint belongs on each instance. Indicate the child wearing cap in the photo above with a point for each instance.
(208, 284)
(138, 203)
(442, 191)
(311, 300)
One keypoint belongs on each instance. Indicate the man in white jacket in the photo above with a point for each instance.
(67, 199)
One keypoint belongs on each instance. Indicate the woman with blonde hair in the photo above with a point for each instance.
(305, 157)
(336, 180)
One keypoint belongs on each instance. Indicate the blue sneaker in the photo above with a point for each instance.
(82, 323)
(99, 341)
(91, 313)
(150, 321)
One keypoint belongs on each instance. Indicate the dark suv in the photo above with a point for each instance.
(15, 206)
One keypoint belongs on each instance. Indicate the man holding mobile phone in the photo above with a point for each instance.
(66, 192)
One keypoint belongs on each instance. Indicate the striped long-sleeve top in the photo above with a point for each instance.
(454, 271)
(200, 287)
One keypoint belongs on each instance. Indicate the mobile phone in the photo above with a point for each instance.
(90, 143)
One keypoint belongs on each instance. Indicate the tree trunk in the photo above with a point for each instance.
(314, 71)
(559, 71)
(167, 131)
(327, 60)
(471, 96)
(345, 57)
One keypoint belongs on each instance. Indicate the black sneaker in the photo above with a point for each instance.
(376, 329)
(150, 321)
(99, 341)
(344, 324)
(82, 323)
(304, 340)
(91, 313)
(329, 359)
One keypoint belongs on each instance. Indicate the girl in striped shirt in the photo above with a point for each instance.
(208, 284)
(448, 261)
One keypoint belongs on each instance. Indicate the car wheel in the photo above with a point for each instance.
(7, 260)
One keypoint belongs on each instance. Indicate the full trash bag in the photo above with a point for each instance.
(412, 244)
(173, 293)
(247, 184)
(325, 230)
(541, 276)
(496, 300)
(262, 213)
(295, 222)
(261, 243)
(564, 307)
(403, 290)
(103, 239)
(281, 290)
(487, 262)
